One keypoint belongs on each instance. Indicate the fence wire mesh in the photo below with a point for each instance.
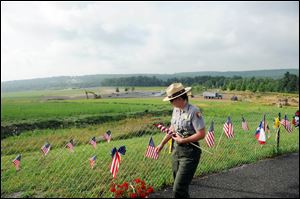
(62, 173)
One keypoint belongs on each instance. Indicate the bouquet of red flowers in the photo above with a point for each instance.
(135, 189)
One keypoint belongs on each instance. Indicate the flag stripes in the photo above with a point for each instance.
(46, 148)
(107, 136)
(164, 129)
(228, 128)
(70, 146)
(92, 161)
(17, 162)
(150, 152)
(244, 124)
(93, 142)
(286, 124)
(115, 164)
(210, 138)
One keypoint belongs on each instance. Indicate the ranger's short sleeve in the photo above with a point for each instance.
(197, 119)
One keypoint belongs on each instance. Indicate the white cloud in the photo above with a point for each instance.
(41, 39)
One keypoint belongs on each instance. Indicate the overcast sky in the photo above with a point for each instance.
(44, 39)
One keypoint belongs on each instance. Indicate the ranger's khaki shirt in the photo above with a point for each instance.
(189, 119)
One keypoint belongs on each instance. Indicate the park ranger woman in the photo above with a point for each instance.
(188, 124)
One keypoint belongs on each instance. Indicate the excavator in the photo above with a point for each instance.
(94, 94)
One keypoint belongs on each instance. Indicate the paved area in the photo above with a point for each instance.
(270, 178)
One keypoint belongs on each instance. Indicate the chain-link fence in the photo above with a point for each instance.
(63, 173)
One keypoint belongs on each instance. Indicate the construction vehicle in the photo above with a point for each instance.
(94, 94)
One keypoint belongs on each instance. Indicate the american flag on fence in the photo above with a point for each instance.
(244, 124)
(116, 159)
(228, 128)
(260, 134)
(93, 142)
(107, 136)
(17, 162)
(167, 131)
(286, 123)
(46, 148)
(164, 129)
(92, 161)
(70, 145)
(150, 152)
(210, 137)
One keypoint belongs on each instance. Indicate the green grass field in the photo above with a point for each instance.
(65, 174)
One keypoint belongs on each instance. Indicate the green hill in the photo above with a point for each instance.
(86, 81)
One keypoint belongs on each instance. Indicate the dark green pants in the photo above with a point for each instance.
(185, 161)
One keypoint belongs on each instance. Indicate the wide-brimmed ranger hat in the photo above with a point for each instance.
(175, 90)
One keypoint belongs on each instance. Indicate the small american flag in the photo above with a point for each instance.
(228, 128)
(17, 162)
(164, 129)
(93, 142)
(287, 125)
(150, 152)
(115, 164)
(46, 148)
(244, 124)
(210, 137)
(70, 145)
(116, 159)
(107, 136)
(92, 161)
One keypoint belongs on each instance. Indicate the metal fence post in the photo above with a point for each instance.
(278, 134)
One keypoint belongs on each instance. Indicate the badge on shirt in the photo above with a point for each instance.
(186, 116)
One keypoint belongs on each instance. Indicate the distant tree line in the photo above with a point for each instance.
(263, 80)
(288, 84)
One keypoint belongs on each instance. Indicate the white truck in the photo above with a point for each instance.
(212, 95)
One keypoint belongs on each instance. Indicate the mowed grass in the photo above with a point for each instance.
(33, 105)
(65, 174)
(14, 111)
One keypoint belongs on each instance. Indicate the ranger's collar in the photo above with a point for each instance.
(186, 108)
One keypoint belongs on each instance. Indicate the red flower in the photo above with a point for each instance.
(142, 195)
(112, 189)
(150, 190)
(125, 185)
(137, 180)
(137, 189)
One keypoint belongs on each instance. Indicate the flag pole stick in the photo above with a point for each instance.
(195, 144)
(219, 140)
(200, 148)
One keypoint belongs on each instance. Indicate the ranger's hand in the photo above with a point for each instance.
(178, 139)
(159, 148)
